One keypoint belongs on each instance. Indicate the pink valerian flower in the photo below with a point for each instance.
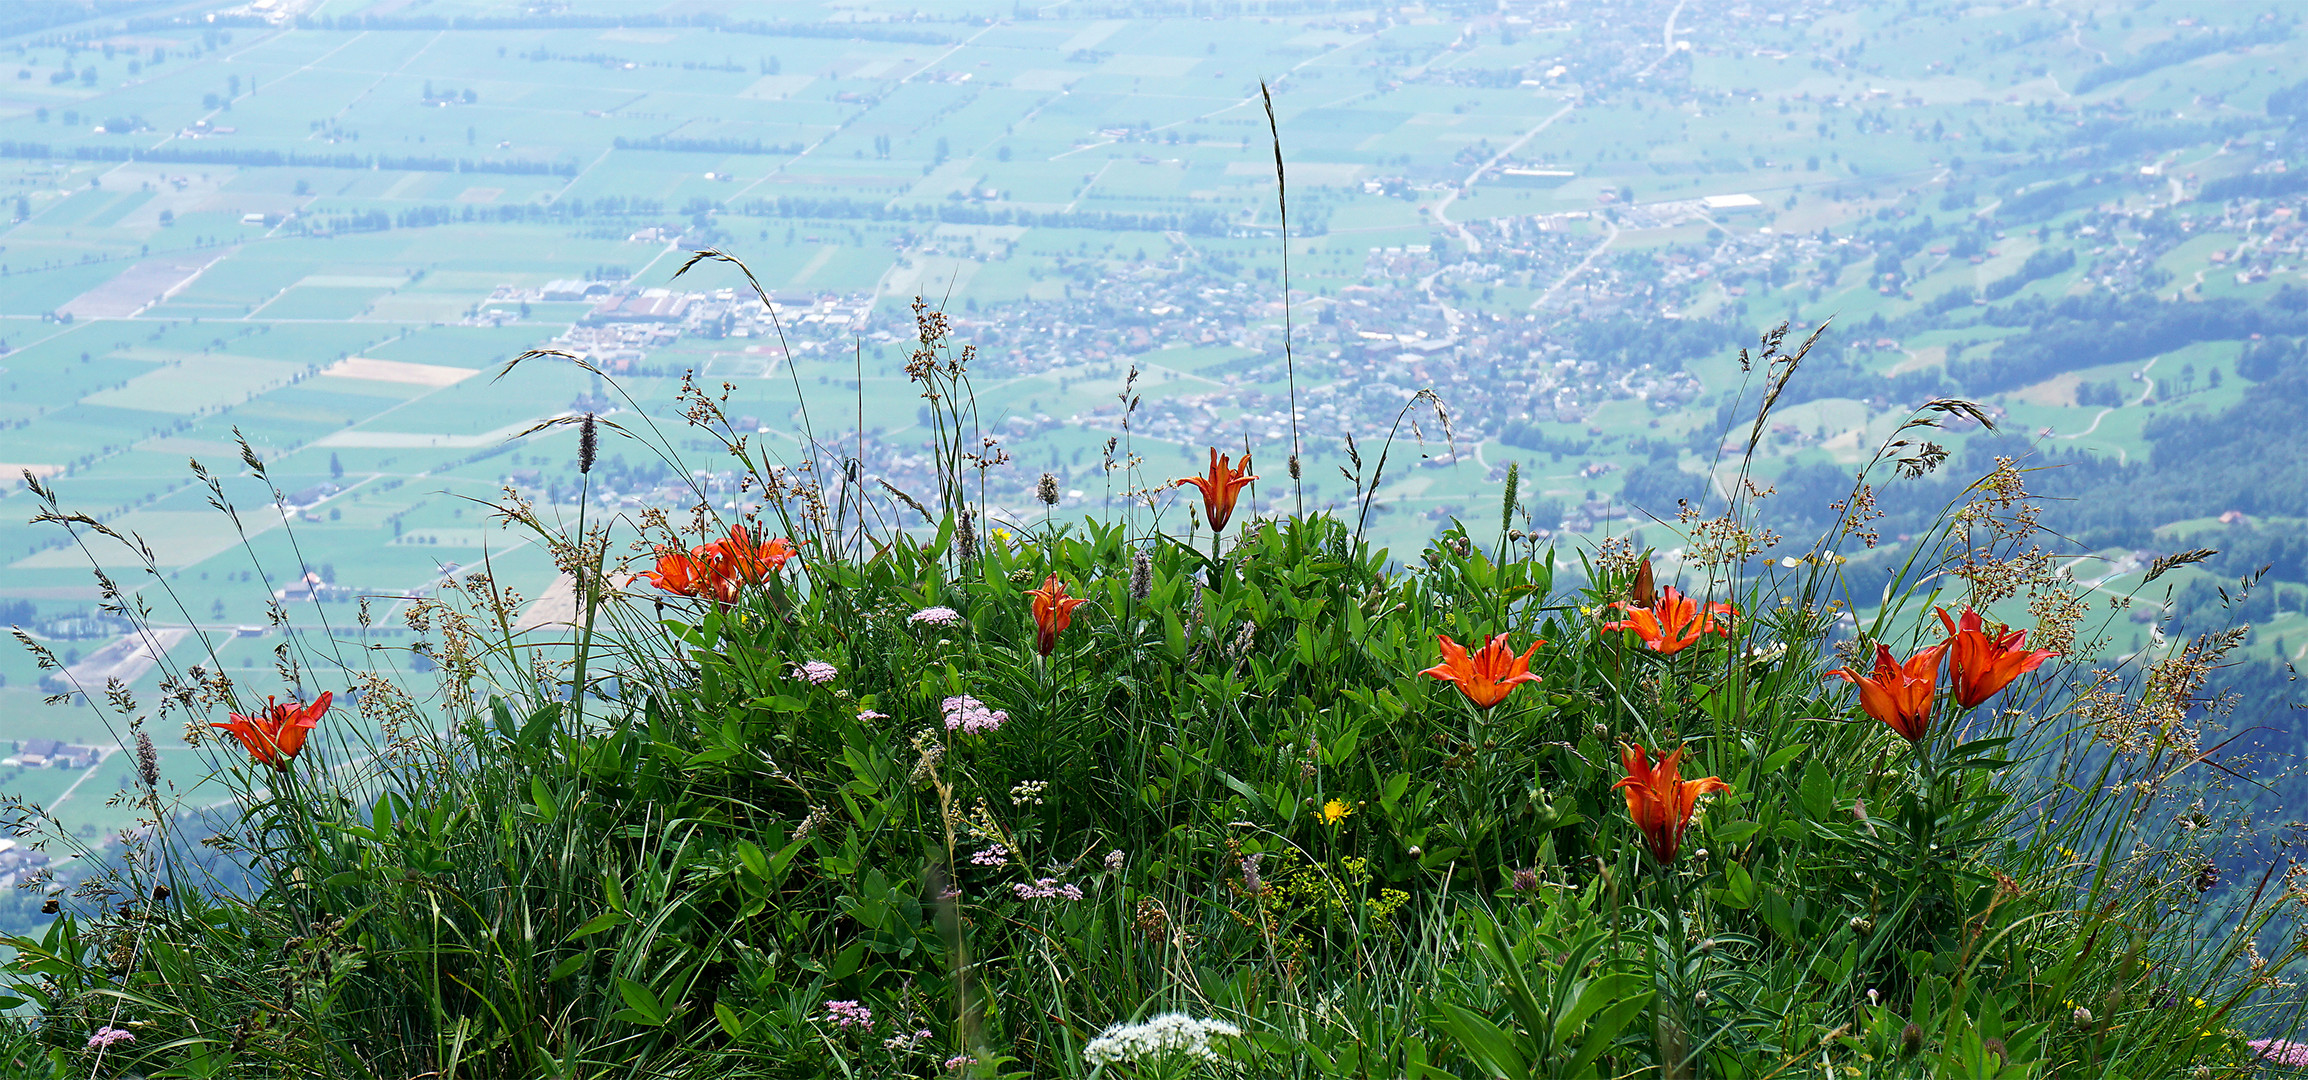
(818, 672)
(2285, 1052)
(957, 1061)
(995, 855)
(1251, 882)
(849, 1014)
(1047, 889)
(935, 616)
(869, 714)
(107, 1035)
(970, 716)
(907, 1040)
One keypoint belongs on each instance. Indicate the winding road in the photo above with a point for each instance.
(2147, 390)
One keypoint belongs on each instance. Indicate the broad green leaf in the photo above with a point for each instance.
(1733, 832)
(750, 856)
(1779, 758)
(604, 921)
(1603, 1032)
(1738, 889)
(642, 1006)
(1490, 1047)
(541, 793)
(1597, 995)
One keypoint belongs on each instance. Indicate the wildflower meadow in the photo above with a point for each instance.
(904, 784)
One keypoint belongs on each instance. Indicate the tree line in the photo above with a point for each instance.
(275, 159)
(846, 31)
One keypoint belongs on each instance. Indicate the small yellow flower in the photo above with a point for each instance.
(1335, 811)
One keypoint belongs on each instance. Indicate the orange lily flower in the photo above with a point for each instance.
(715, 571)
(1898, 694)
(1673, 622)
(1660, 801)
(1053, 612)
(680, 572)
(1983, 660)
(749, 560)
(1487, 677)
(1220, 488)
(275, 736)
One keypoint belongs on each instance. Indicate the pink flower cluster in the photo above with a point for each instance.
(935, 616)
(903, 1041)
(818, 672)
(849, 1014)
(970, 716)
(992, 856)
(107, 1035)
(2285, 1052)
(1047, 889)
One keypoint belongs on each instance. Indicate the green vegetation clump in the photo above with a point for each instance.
(809, 795)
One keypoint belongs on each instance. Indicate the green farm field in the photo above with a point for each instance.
(1566, 225)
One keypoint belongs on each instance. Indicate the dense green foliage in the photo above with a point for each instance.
(767, 838)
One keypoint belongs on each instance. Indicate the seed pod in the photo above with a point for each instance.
(1046, 490)
(588, 443)
(147, 761)
(965, 536)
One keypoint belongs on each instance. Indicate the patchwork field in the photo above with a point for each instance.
(318, 241)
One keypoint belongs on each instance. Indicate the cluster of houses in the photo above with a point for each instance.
(51, 754)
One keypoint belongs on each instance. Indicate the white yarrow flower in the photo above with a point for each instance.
(1169, 1032)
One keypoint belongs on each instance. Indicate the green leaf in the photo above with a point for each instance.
(541, 793)
(1520, 998)
(1738, 889)
(1597, 995)
(1734, 832)
(729, 1020)
(566, 968)
(1391, 792)
(596, 924)
(1603, 1032)
(1488, 1045)
(1779, 758)
(642, 1006)
(1817, 791)
(1245, 790)
(749, 855)
(846, 962)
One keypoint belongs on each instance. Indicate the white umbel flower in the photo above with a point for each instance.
(1163, 1034)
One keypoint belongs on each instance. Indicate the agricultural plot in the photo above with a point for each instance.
(323, 239)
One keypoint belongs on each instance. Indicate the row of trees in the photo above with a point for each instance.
(252, 158)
